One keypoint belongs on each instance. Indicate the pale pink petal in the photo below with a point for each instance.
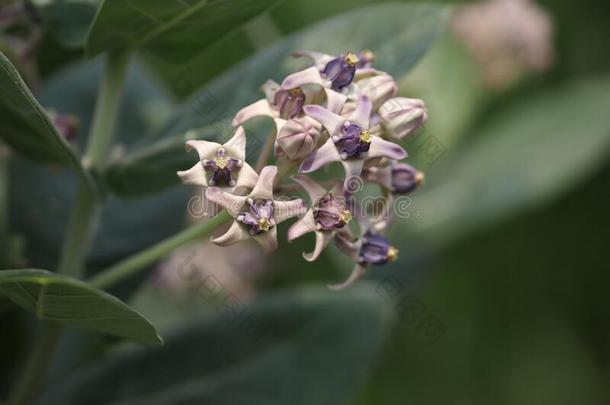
(326, 154)
(302, 226)
(232, 203)
(246, 177)
(334, 101)
(353, 170)
(380, 175)
(362, 113)
(270, 88)
(313, 189)
(366, 72)
(307, 76)
(356, 274)
(236, 146)
(236, 233)
(382, 148)
(331, 121)
(256, 109)
(278, 123)
(284, 210)
(267, 240)
(318, 58)
(195, 176)
(205, 149)
(264, 186)
(322, 239)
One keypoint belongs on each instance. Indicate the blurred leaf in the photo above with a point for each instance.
(54, 297)
(69, 20)
(26, 126)
(528, 154)
(171, 30)
(297, 347)
(408, 30)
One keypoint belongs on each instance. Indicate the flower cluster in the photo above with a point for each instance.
(340, 109)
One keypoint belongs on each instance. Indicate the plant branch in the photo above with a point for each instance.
(265, 153)
(135, 263)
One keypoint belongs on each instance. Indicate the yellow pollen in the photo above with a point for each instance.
(392, 254)
(351, 59)
(365, 136)
(221, 161)
(297, 91)
(368, 55)
(264, 224)
(345, 216)
(419, 178)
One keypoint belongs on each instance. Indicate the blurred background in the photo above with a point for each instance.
(500, 293)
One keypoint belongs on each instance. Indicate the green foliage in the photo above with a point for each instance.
(407, 33)
(27, 127)
(53, 297)
(307, 346)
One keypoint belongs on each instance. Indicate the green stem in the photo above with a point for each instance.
(36, 366)
(133, 264)
(265, 153)
(84, 215)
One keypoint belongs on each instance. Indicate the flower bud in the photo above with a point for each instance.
(405, 178)
(378, 89)
(341, 70)
(298, 137)
(376, 249)
(402, 116)
(330, 214)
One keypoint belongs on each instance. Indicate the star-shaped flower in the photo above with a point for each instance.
(257, 214)
(351, 141)
(334, 72)
(222, 166)
(326, 215)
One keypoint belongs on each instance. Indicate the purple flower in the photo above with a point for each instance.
(257, 214)
(222, 168)
(350, 142)
(341, 70)
(326, 216)
(399, 178)
(289, 102)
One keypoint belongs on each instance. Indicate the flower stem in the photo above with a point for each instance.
(84, 215)
(265, 153)
(37, 363)
(133, 264)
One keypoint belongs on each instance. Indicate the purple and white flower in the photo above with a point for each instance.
(326, 216)
(257, 214)
(351, 141)
(398, 178)
(401, 117)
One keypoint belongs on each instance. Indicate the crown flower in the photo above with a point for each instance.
(340, 109)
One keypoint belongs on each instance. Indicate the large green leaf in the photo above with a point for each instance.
(26, 126)
(301, 347)
(54, 297)
(171, 30)
(407, 32)
(524, 156)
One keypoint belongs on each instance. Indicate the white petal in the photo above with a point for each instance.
(232, 203)
(318, 58)
(326, 154)
(322, 239)
(279, 123)
(357, 273)
(382, 148)
(353, 169)
(302, 226)
(258, 108)
(307, 76)
(284, 210)
(264, 186)
(362, 113)
(236, 146)
(195, 176)
(270, 88)
(236, 233)
(334, 101)
(246, 177)
(313, 189)
(267, 240)
(366, 72)
(331, 121)
(205, 149)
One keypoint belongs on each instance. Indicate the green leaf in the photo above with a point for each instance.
(300, 347)
(58, 298)
(26, 126)
(407, 32)
(170, 30)
(525, 156)
(69, 20)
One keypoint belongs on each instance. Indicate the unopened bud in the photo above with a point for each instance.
(378, 89)
(299, 137)
(402, 116)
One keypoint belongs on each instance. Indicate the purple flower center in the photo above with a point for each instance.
(329, 214)
(376, 249)
(289, 102)
(353, 140)
(222, 168)
(341, 70)
(259, 218)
